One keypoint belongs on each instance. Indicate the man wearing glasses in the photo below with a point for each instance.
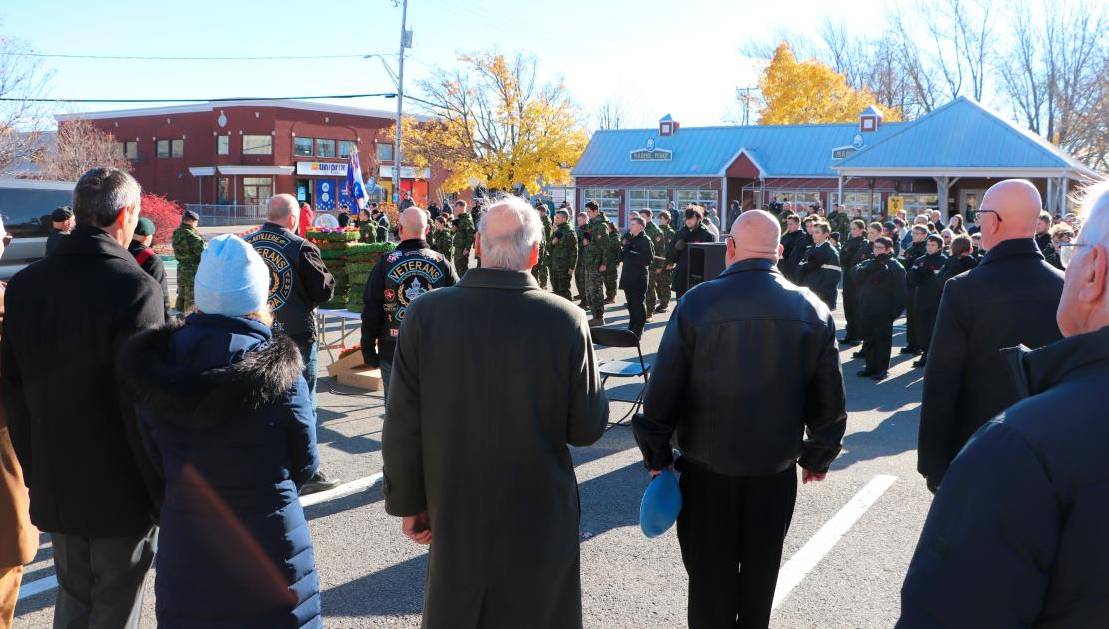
(1008, 300)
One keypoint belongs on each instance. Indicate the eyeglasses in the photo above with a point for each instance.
(981, 212)
(1067, 251)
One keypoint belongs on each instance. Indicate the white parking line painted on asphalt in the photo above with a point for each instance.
(38, 586)
(805, 559)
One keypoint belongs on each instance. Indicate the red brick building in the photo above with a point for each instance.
(239, 153)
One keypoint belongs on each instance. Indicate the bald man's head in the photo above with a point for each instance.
(1009, 211)
(755, 234)
(283, 210)
(413, 224)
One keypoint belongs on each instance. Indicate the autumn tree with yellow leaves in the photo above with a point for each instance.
(495, 124)
(810, 92)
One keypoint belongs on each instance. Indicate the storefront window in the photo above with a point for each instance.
(806, 198)
(303, 146)
(325, 148)
(177, 148)
(863, 200)
(608, 199)
(704, 198)
(650, 199)
(223, 145)
(128, 150)
(916, 203)
(257, 145)
(257, 190)
(163, 148)
(223, 190)
(384, 152)
(346, 147)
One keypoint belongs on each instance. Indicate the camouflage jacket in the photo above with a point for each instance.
(661, 249)
(464, 232)
(613, 246)
(442, 240)
(187, 246)
(546, 220)
(564, 247)
(593, 256)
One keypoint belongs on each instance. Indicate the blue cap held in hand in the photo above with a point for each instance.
(662, 501)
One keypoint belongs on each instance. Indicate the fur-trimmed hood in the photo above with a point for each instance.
(193, 397)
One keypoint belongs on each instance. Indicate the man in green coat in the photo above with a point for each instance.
(613, 247)
(188, 245)
(600, 237)
(654, 235)
(579, 267)
(660, 269)
(442, 240)
(593, 258)
(563, 254)
(463, 226)
(540, 270)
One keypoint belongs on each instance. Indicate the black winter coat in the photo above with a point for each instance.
(882, 289)
(787, 263)
(487, 456)
(747, 367)
(924, 280)
(678, 254)
(1043, 241)
(956, 266)
(912, 252)
(636, 255)
(820, 272)
(227, 420)
(1016, 534)
(1009, 299)
(152, 264)
(75, 433)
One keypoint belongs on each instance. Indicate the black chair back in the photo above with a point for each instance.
(614, 337)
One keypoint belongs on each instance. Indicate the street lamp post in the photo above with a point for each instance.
(405, 41)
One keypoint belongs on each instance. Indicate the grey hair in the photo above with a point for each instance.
(101, 193)
(510, 249)
(1095, 214)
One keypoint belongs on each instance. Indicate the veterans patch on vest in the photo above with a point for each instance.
(271, 246)
(411, 278)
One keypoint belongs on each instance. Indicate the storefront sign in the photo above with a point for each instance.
(406, 172)
(331, 169)
(657, 155)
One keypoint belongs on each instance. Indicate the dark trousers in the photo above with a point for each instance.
(851, 312)
(100, 579)
(926, 312)
(731, 531)
(877, 344)
(308, 352)
(637, 309)
(912, 334)
(386, 368)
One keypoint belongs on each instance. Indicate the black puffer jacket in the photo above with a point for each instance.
(767, 369)
(678, 254)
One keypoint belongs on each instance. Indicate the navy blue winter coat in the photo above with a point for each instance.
(226, 417)
(1017, 534)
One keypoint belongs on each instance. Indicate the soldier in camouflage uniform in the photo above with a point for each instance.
(593, 256)
(599, 236)
(654, 235)
(563, 254)
(442, 240)
(367, 227)
(579, 268)
(613, 247)
(463, 227)
(660, 270)
(188, 245)
(540, 270)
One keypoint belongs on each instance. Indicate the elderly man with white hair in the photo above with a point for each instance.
(1009, 299)
(773, 400)
(1016, 535)
(476, 460)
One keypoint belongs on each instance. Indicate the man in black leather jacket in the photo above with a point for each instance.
(767, 370)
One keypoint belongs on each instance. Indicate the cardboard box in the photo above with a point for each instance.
(354, 359)
(362, 378)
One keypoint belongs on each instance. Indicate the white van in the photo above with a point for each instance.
(26, 205)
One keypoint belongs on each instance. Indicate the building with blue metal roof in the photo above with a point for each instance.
(944, 160)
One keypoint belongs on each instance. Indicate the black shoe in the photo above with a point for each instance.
(858, 354)
(865, 374)
(610, 300)
(909, 350)
(850, 342)
(662, 309)
(878, 377)
(919, 363)
(320, 482)
(596, 322)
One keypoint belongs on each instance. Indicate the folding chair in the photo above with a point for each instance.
(619, 337)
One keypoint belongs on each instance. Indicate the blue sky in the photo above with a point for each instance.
(657, 57)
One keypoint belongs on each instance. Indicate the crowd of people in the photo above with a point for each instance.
(189, 438)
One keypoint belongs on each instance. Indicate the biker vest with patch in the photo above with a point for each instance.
(409, 273)
(289, 303)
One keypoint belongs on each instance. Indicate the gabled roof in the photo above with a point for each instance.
(782, 150)
(666, 118)
(962, 136)
(872, 111)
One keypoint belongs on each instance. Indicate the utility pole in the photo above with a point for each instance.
(405, 42)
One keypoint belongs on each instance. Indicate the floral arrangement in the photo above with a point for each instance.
(320, 235)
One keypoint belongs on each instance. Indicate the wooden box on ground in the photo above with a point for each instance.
(350, 372)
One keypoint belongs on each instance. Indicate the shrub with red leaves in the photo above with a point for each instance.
(166, 215)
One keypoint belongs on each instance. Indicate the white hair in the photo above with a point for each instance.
(511, 248)
(1095, 214)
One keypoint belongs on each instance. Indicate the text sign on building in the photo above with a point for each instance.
(332, 169)
(657, 155)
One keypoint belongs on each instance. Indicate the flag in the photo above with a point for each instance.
(354, 180)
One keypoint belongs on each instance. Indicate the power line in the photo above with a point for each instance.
(44, 55)
(190, 100)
